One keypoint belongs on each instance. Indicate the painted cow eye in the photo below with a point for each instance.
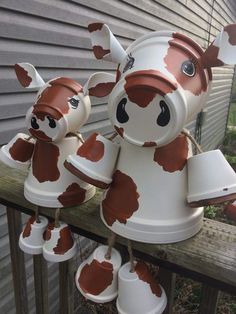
(188, 68)
(52, 122)
(121, 114)
(74, 103)
(34, 123)
(164, 117)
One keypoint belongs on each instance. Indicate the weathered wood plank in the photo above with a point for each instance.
(208, 257)
(17, 261)
(209, 300)
(41, 284)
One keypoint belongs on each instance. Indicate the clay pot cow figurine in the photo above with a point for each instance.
(61, 108)
(162, 80)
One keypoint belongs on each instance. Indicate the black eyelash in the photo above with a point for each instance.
(194, 61)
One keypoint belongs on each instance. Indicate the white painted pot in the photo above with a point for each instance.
(59, 243)
(147, 203)
(135, 296)
(96, 277)
(17, 153)
(95, 160)
(211, 180)
(31, 239)
(64, 189)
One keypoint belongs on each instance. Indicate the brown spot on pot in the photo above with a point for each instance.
(173, 156)
(27, 231)
(99, 52)
(73, 195)
(180, 51)
(47, 233)
(95, 27)
(22, 76)
(120, 131)
(142, 86)
(96, 277)
(21, 150)
(101, 89)
(40, 135)
(53, 100)
(144, 274)
(92, 149)
(209, 58)
(121, 199)
(44, 163)
(149, 144)
(231, 31)
(65, 241)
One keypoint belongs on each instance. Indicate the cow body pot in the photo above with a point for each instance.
(162, 80)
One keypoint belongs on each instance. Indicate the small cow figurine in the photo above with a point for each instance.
(61, 108)
(162, 80)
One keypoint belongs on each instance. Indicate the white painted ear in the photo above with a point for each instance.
(99, 84)
(105, 45)
(222, 50)
(28, 76)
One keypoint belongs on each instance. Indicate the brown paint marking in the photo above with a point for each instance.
(65, 241)
(173, 156)
(142, 86)
(145, 275)
(74, 195)
(96, 277)
(44, 163)
(120, 131)
(22, 76)
(230, 211)
(99, 52)
(40, 135)
(118, 74)
(149, 144)
(92, 149)
(21, 150)
(101, 89)
(27, 231)
(84, 177)
(121, 200)
(47, 233)
(231, 30)
(53, 100)
(95, 27)
(209, 58)
(177, 53)
(213, 201)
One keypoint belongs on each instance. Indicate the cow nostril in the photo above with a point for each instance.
(34, 123)
(52, 122)
(121, 114)
(164, 117)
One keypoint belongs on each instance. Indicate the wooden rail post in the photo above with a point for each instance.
(168, 279)
(209, 300)
(41, 284)
(65, 288)
(17, 261)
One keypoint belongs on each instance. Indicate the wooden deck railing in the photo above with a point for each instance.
(209, 257)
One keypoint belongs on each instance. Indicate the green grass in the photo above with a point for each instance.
(232, 114)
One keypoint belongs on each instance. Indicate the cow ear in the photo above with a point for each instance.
(222, 50)
(28, 76)
(99, 84)
(105, 45)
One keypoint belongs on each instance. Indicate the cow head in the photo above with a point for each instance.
(163, 78)
(62, 105)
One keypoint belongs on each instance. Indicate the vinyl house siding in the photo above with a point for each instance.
(53, 36)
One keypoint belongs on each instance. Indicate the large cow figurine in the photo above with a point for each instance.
(62, 106)
(162, 80)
